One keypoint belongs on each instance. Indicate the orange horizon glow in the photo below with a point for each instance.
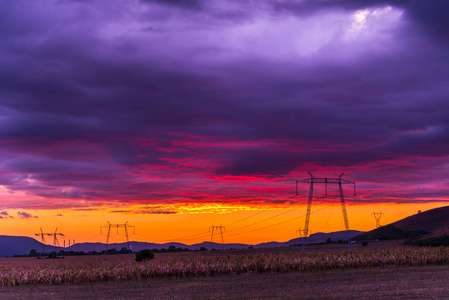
(190, 224)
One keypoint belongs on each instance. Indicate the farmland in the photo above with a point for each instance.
(364, 283)
(286, 273)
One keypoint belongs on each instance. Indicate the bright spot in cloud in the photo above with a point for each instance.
(372, 21)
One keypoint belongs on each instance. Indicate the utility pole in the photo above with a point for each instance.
(377, 216)
(312, 180)
(220, 228)
(109, 226)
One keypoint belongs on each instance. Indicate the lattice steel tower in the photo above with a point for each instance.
(109, 227)
(377, 216)
(312, 180)
(55, 241)
(218, 228)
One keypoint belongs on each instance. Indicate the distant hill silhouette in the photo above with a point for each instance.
(11, 245)
(431, 223)
(434, 221)
(21, 245)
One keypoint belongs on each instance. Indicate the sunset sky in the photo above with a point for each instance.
(176, 115)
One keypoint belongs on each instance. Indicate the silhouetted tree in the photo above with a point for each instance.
(124, 250)
(144, 255)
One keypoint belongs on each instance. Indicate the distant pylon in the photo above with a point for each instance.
(377, 216)
(41, 234)
(300, 232)
(109, 226)
(55, 239)
(221, 228)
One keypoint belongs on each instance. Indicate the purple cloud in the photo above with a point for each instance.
(181, 101)
(25, 215)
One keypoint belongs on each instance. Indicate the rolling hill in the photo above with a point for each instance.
(21, 245)
(431, 223)
(11, 245)
(434, 221)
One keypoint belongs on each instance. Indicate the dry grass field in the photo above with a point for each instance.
(428, 282)
(387, 282)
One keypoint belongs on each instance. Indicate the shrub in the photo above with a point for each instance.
(434, 241)
(143, 255)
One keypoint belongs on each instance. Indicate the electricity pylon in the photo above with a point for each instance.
(43, 242)
(212, 228)
(377, 216)
(300, 232)
(55, 239)
(109, 226)
(338, 180)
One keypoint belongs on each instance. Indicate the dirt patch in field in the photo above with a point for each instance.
(429, 282)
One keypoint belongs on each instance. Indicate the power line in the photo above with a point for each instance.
(272, 225)
(283, 213)
(204, 234)
(259, 212)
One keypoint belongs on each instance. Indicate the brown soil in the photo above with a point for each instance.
(428, 282)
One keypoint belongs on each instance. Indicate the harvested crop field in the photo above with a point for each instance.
(426, 282)
(207, 266)
(364, 273)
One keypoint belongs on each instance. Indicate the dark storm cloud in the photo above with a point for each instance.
(191, 4)
(146, 103)
(429, 16)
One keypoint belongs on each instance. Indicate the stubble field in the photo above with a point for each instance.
(322, 272)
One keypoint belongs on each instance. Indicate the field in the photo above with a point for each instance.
(428, 282)
(248, 274)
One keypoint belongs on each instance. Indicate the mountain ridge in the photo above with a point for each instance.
(21, 245)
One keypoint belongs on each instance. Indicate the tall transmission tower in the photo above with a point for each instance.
(377, 216)
(109, 227)
(218, 228)
(337, 180)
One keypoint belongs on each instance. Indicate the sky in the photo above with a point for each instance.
(176, 115)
